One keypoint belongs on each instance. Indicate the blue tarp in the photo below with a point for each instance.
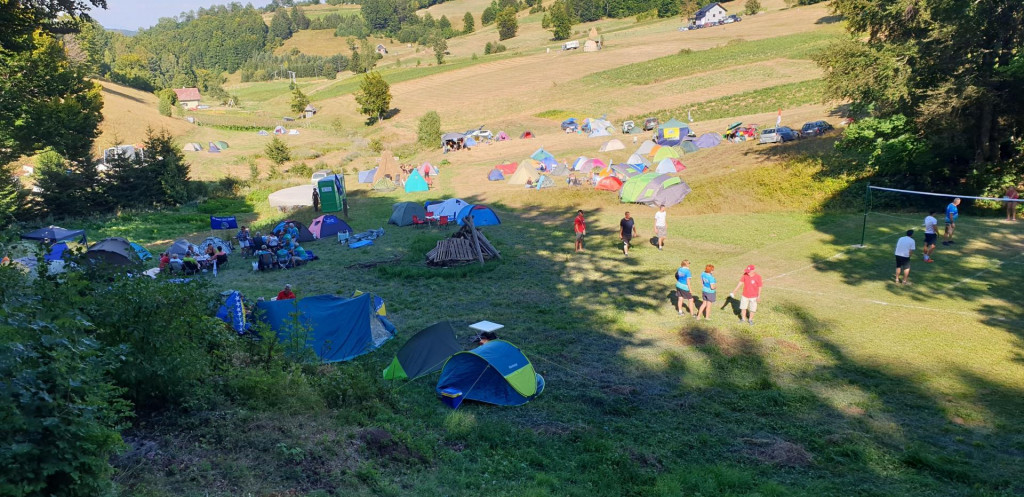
(338, 329)
(484, 373)
(56, 252)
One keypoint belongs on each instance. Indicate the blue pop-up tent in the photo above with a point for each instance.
(337, 329)
(495, 175)
(415, 183)
(482, 216)
(496, 372)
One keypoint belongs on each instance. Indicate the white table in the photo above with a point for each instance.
(483, 326)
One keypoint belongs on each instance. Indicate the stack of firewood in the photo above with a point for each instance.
(466, 245)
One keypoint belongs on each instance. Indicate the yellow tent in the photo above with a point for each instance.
(387, 165)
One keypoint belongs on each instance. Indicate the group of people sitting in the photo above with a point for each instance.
(191, 262)
(277, 249)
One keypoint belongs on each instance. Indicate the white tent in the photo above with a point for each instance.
(638, 159)
(612, 145)
(449, 208)
(646, 147)
(293, 132)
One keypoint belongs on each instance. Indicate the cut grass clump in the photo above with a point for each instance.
(557, 114)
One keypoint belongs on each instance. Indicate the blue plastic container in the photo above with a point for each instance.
(451, 397)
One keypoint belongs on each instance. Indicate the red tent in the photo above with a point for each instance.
(526, 134)
(507, 169)
(609, 183)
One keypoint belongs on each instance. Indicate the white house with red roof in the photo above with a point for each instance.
(188, 97)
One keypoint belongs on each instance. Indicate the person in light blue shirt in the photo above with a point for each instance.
(683, 279)
(707, 292)
(951, 214)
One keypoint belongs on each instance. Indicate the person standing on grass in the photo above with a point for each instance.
(627, 230)
(1011, 202)
(661, 226)
(707, 292)
(904, 247)
(952, 212)
(930, 235)
(580, 227)
(683, 279)
(751, 283)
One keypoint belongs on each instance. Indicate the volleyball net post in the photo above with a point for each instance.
(867, 209)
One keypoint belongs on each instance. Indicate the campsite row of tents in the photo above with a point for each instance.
(453, 141)
(279, 130)
(215, 147)
(455, 209)
(415, 181)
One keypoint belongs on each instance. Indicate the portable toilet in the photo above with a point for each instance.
(332, 193)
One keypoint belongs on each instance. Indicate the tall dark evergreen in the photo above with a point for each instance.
(281, 25)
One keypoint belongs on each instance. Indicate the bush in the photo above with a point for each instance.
(428, 133)
(302, 170)
(752, 7)
(891, 146)
(277, 151)
(507, 24)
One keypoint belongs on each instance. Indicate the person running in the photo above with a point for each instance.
(904, 247)
(683, 279)
(751, 283)
(661, 226)
(1011, 202)
(627, 230)
(580, 227)
(930, 235)
(952, 212)
(707, 292)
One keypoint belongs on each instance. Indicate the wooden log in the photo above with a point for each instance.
(476, 241)
(487, 244)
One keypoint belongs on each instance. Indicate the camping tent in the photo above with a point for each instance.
(598, 133)
(213, 241)
(115, 251)
(653, 150)
(140, 251)
(495, 175)
(688, 147)
(577, 163)
(624, 171)
(708, 140)
(415, 182)
(482, 215)
(665, 152)
(336, 328)
(223, 145)
(304, 234)
(523, 174)
(544, 181)
(645, 148)
(541, 154)
(367, 175)
(57, 251)
(263, 132)
(387, 165)
(384, 185)
(214, 148)
(560, 170)
(424, 353)
(192, 147)
(671, 133)
(591, 164)
(612, 145)
(670, 165)
(279, 130)
(507, 169)
(469, 142)
(180, 247)
(293, 132)
(526, 134)
(54, 234)
(402, 213)
(449, 208)
(429, 168)
(328, 225)
(501, 136)
(637, 159)
(496, 372)
(609, 183)
(634, 186)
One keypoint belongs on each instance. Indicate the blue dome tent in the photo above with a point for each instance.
(482, 216)
(336, 329)
(496, 372)
(495, 175)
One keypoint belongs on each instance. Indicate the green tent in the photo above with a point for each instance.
(634, 187)
(665, 153)
(221, 144)
(424, 353)
(688, 147)
(384, 185)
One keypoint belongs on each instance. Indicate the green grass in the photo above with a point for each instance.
(759, 101)
(735, 53)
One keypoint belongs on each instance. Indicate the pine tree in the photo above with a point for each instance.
(281, 25)
(299, 100)
(507, 23)
(468, 24)
(277, 151)
(560, 22)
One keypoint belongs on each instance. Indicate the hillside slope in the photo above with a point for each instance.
(128, 113)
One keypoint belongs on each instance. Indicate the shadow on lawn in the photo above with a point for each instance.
(623, 413)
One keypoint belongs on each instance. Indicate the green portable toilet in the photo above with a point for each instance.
(332, 194)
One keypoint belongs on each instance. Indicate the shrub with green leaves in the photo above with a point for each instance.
(428, 133)
(278, 151)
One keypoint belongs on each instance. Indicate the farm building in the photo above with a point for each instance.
(381, 50)
(188, 98)
(309, 111)
(712, 12)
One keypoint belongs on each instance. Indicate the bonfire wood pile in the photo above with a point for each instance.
(466, 245)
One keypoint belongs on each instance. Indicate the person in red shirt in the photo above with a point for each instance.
(581, 230)
(751, 283)
(164, 260)
(286, 294)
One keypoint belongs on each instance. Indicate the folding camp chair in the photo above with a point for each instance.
(175, 267)
(417, 221)
(266, 261)
(442, 221)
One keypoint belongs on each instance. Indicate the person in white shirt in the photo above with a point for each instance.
(660, 226)
(904, 247)
(930, 236)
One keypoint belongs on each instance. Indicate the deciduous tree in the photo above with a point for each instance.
(374, 96)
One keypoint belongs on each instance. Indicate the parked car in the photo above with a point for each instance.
(781, 134)
(627, 126)
(319, 175)
(571, 45)
(815, 128)
(735, 18)
(650, 123)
